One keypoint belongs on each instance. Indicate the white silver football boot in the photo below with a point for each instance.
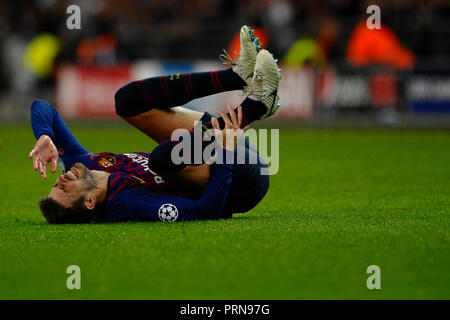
(265, 82)
(245, 63)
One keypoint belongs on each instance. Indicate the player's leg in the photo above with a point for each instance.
(248, 186)
(159, 124)
(166, 92)
(261, 103)
(152, 105)
(149, 104)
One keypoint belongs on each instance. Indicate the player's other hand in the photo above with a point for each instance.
(43, 153)
(229, 136)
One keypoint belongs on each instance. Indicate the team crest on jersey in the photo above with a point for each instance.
(168, 213)
(107, 161)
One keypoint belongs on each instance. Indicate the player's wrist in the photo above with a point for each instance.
(44, 137)
(44, 134)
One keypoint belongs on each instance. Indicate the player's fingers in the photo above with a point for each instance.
(226, 119)
(39, 165)
(215, 123)
(222, 115)
(54, 165)
(35, 164)
(216, 127)
(233, 117)
(245, 128)
(239, 116)
(30, 155)
(44, 170)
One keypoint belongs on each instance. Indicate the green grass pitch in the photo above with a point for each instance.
(343, 199)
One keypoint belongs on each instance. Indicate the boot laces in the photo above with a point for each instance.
(227, 59)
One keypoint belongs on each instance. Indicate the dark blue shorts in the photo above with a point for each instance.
(248, 185)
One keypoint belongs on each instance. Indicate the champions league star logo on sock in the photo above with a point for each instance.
(168, 213)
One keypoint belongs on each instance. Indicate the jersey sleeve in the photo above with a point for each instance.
(45, 120)
(138, 204)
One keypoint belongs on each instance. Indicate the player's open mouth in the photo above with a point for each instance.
(72, 174)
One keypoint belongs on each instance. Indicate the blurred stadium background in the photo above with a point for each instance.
(335, 70)
(342, 200)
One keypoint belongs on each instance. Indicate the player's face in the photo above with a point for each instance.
(70, 186)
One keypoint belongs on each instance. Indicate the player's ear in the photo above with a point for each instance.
(90, 200)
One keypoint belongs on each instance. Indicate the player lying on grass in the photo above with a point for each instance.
(149, 186)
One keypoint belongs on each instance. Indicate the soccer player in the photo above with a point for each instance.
(108, 187)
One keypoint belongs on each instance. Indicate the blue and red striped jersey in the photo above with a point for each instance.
(130, 170)
(134, 191)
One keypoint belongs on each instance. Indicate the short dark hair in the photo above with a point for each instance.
(55, 213)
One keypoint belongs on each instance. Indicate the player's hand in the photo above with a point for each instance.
(229, 136)
(43, 153)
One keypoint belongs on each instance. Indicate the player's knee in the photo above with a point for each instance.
(248, 187)
(260, 185)
(120, 99)
(130, 102)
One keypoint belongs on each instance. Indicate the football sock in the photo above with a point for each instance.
(174, 90)
(251, 110)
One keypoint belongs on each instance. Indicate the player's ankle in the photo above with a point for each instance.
(253, 108)
(239, 80)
